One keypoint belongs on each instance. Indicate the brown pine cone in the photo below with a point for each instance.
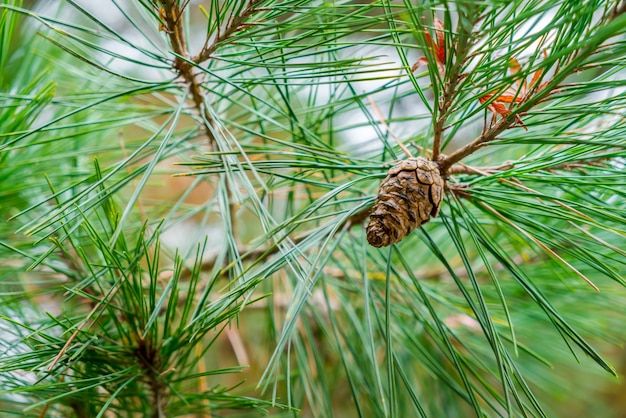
(409, 195)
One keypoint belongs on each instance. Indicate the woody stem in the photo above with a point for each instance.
(462, 48)
(491, 134)
(182, 62)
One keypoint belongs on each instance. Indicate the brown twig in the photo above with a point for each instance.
(468, 149)
(260, 254)
(533, 99)
(462, 47)
(151, 361)
(461, 168)
(358, 218)
(173, 24)
(235, 24)
(171, 14)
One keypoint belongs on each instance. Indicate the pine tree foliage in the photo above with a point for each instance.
(185, 185)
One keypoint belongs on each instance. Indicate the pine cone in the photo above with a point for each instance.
(409, 195)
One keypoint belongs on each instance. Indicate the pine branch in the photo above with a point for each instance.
(172, 15)
(462, 46)
(358, 218)
(461, 168)
(134, 331)
(534, 96)
(151, 363)
(234, 24)
(261, 254)
(185, 64)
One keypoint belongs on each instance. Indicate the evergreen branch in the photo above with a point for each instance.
(460, 168)
(258, 255)
(150, 361)
(534, 96)
(461, 48)
(235, 24)
(461, 190)
(132, 325)
(172, 15)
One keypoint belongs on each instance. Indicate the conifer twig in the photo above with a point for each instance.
(534, 97)
(260, 254)
(234, 24)
(461, 168)
(462, 47)
(171, 13)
